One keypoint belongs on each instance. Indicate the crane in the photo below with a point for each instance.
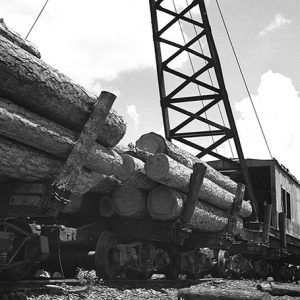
(206, 75)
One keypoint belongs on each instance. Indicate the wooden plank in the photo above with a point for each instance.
(236, 208)
(282, 230)
(267, 223)
(71, 170)
(196, 181)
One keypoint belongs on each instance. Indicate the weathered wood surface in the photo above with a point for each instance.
(18, 40)
(281, 289)
(132, 172)
(154, 143)
(68, 176)
(106, 184)
(31, 83)
(130, 201)
(167, 171)
(167, 204)
(196, 180)
(235, 208)
(28, 164)
(26, 127)
(105, 207)
(210, 293)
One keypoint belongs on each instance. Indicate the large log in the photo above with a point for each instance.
(26, 127)
(199, 292)
(132, 172)
(154, 143)
(31, 83)
(130, 201)
(28, 164)
(167, 171)
(18, 40)
(167, 204)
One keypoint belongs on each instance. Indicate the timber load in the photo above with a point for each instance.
(52, 130)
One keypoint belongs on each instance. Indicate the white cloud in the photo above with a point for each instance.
(132, 112)
(278, 22)
(278, 106)
(98, 39)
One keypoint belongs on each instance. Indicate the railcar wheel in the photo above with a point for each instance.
(24, 269)
(106, 265)
(223, 263)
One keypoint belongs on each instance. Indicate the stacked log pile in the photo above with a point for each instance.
(172, 168)
(53, 130)
(42, 116)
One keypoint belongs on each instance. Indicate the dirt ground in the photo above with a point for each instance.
(93, 289)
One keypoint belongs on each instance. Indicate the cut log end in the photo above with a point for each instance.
(130, 164)
(164, 203)
(150, 143)
(105, 206)
(157, 166)
(129, 201)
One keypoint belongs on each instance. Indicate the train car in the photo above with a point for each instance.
(274, 238)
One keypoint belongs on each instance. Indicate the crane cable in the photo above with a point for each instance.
(210, 77)
(192, 66)
(36, 19)
(244, 80)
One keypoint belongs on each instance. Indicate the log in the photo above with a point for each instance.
(28, 164)
(31, 83)
(133, 173)
(280, 289)
(210, 293)
(28, 128)
(196, 181)
(105, 184)
(167, 204)
(129, 201)
(74, 206)
(66, 180)
(167, 171)
(18, 40)
(105, 207)
(154, 143)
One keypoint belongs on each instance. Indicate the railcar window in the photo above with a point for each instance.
(286, 203)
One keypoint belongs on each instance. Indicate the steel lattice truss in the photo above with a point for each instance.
(194, 101)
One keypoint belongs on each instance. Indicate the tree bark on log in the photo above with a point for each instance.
(31, 83)
(133, 172)
(68, 176)
(18, 40)
(105, 184)
(129, 201)
(167, 171)
(154, 143)
(167, 204)
(206, 293)
(280, 289)
(105, 207)
(26, 127)
(28, 164)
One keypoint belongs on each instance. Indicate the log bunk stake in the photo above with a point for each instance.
(65, 182)
(267, 224)
(196, 181)
(235, 210)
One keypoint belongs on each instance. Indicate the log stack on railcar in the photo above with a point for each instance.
(68, 188)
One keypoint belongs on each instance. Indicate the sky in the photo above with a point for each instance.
(107, 45)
